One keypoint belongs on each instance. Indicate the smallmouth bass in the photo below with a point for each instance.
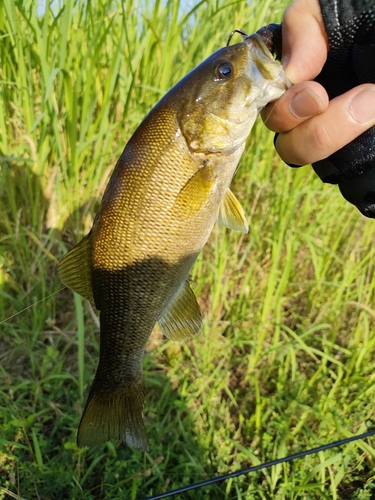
(168, 188)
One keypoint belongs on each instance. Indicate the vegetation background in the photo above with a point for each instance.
(286, 360)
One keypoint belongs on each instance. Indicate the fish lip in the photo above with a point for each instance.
(255, 41)
(264, 71)
(258, 40)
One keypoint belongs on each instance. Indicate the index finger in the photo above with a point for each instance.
(300, 102)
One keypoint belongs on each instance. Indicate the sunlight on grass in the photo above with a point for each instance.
(285, 361)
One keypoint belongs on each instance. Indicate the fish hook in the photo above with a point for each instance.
(241, 32)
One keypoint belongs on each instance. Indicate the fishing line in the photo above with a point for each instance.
(31, 305)
(265, 465)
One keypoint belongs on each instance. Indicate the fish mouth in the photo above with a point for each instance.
(256, 42)
(267, 73)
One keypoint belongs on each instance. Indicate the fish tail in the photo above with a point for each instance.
(114, 414)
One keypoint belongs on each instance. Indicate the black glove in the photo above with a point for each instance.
(350, 27)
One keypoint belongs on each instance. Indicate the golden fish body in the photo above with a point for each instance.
(168, 188)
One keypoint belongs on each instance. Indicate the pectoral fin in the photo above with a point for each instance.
(231, 214)
(182, 319)
(194, 194)
(75, 269)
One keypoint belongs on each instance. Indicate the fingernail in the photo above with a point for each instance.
(305, 104)
(362, 106)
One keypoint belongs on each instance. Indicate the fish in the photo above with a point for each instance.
(168, 188)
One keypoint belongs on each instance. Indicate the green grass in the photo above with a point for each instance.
(286, 358)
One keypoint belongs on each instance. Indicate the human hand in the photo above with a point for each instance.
(311, 127)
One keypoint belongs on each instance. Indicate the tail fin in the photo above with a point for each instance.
(114, 414)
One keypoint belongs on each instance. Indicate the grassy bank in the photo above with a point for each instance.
(286, 358)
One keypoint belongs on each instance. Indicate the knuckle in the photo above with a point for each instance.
(321, 140)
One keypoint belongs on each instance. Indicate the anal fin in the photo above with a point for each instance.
(231, 214)
(182, 319)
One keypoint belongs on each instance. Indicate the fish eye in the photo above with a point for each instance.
(224, 70)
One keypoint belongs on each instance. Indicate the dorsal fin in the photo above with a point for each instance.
(75, 269)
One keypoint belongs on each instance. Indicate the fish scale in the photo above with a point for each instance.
(168, 188)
